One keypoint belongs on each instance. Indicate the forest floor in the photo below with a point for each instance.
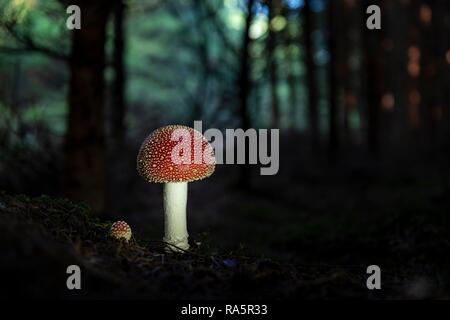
(40, 237)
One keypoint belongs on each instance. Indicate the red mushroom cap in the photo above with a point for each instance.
(155, 160)
(120, 230)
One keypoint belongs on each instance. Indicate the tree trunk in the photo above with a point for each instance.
(333, 126)
(244, 91)
(348, 72)
(443, 66)
(273, 72)
(204, 71)
(413, 69)
(84, 170)
(291, 81)
(15, 97)
(119, 107)
(311, 75)
(373, 53)
(429, 70)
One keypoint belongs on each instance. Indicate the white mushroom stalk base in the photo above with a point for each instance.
(175, 229)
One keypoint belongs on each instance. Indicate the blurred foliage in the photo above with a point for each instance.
(181, 57)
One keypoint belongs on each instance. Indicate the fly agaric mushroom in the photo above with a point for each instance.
(120, 230)
(161, 160)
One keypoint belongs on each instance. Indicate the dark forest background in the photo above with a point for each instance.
(363, 115)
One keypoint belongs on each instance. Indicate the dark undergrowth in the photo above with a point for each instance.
(40, 237)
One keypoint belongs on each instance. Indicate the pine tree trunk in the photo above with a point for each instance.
(119, 107)
(273, 72)
(429, 70)
(373, 52)
(333, 127)
(293, 88)
(244, 91)
(84, 171)
(311, 75)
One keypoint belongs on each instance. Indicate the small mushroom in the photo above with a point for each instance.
(120, 230)
(156, 163)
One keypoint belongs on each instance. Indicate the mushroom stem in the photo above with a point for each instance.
(175, 229)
